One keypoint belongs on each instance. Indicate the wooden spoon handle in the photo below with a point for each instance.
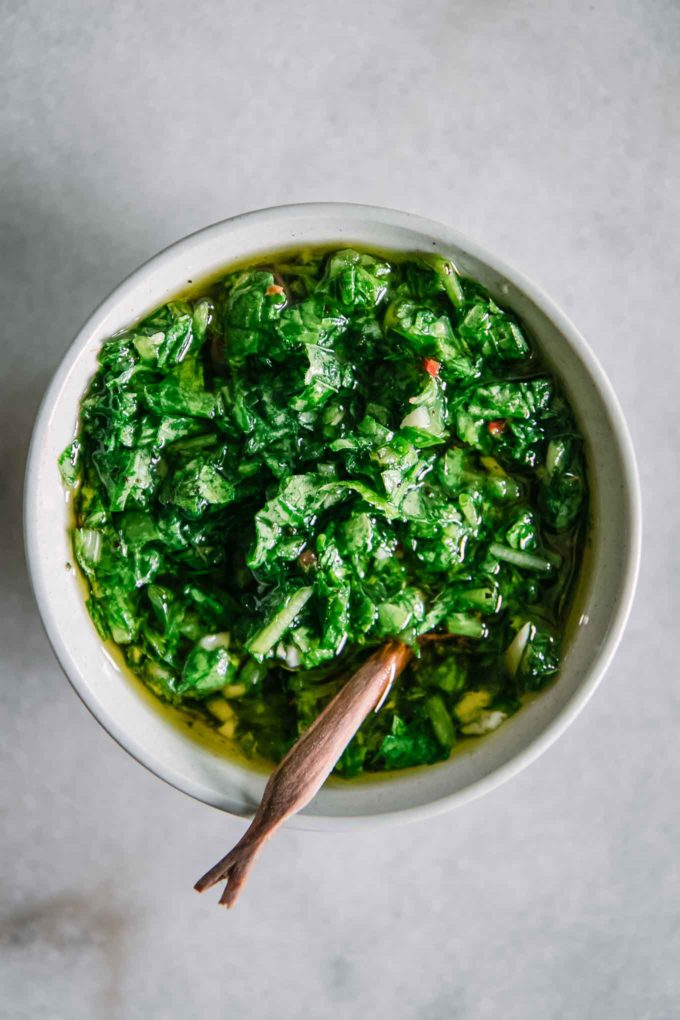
(308, 764)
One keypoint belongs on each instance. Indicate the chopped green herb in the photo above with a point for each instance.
(314, 455)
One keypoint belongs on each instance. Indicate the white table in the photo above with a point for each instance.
(549, 132)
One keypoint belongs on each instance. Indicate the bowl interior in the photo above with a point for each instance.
(600, 607)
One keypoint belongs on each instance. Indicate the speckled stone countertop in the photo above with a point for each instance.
(549, 132)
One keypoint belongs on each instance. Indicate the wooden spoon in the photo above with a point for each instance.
(308, 764)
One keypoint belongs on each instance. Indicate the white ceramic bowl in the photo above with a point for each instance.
(602, 604)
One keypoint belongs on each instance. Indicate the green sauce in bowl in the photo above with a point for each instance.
(311, 455)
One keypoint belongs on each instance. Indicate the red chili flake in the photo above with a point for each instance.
(274, 288)
(307, 559)
(496, 428)
(431, 366)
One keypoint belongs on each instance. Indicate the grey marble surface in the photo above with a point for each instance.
(548, 131)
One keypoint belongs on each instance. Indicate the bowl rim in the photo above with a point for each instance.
(619, 612)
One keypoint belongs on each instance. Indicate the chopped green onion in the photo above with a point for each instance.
(465, 626)
(443, 727)
(265, 639)
(515, 650)
(520, 558)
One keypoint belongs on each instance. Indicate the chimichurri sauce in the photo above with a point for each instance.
(308, 457)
